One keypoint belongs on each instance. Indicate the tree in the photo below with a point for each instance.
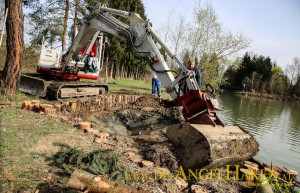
(50, 20)
(15, 45)
(209, 65)
(293, 70)
(122, 62)
(277, 80)
(255, 68)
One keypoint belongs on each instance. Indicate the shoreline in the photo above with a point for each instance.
(269, 96)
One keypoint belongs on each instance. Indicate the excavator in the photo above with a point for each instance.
(202, 141)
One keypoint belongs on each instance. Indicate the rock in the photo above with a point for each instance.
(146, 163)
(181, 184)
(197, 189)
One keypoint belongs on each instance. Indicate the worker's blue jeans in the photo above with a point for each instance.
(156, 85)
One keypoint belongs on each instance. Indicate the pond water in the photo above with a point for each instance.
(275, 125)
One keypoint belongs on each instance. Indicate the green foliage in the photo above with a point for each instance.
(278, 80)
(209, 65)
(30, 58)
(254, 71)
(121, 61)
(98, 162)
(47, 20)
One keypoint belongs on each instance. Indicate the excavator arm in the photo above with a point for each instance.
(143, 39)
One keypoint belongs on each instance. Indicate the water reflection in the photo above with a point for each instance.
(275, 124)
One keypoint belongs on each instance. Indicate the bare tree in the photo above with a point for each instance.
(204, 35)
(15, 45)
(207, 34)
(177, 35)
(293, 70)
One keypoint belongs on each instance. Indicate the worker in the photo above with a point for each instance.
(197, 73)
(91, 63)
(156, 84)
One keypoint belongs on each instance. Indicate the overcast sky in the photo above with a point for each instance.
(273, 25)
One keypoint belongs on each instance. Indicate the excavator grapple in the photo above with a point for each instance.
(207, 146)
(204, 141)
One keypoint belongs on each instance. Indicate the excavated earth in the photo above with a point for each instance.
(137, 133)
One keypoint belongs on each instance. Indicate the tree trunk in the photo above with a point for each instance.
(122, 71)
(15, 46)
(75, 17)
(111, 70)
(64, 39)
(106, 68)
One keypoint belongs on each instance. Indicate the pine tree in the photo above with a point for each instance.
(15, 45)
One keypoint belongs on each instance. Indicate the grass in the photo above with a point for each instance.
(139, 86)
(135, 86)
(20, 130)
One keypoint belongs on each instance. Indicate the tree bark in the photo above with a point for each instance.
(64, 39)
(112, 70)
(106, 68)
(75, 17)
(15, 46)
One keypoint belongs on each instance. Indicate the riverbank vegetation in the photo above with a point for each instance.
(257, 73)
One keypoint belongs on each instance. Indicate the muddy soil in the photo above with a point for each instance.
(138, 133)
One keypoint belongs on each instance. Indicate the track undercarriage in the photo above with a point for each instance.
(60, 90)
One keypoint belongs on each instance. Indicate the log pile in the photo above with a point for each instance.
(86, 105)
(263, 177)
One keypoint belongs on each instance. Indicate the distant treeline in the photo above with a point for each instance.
(258, 74)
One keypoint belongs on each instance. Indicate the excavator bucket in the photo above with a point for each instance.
(207, 146)
(33, 85)
(204, 141)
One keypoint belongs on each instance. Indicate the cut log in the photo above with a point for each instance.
(84, 181)
(50, 111)
(290, 174)
(250, 163)
(25, 104)
(84, 126)
(45, 106)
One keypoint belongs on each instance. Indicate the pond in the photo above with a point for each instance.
(275, 125)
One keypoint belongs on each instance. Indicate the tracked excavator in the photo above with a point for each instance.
(203, 140)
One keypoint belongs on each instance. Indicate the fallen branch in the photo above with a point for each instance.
(10, 177)
(5, 103)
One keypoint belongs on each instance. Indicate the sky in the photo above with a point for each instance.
(272, 25)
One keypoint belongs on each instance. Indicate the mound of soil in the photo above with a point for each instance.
(148, 101)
